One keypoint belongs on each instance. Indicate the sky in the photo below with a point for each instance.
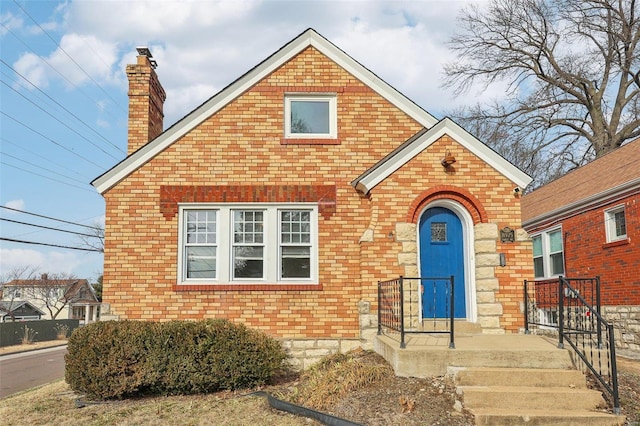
(63, 91)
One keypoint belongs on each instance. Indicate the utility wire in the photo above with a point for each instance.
(49, 139)
(43, 168)
(35, 154)
(49, 227)
(47, 177)
(69, 56)
(58, 120)
(62, 106)
(49, 64)
(47, 217)
(48, 245)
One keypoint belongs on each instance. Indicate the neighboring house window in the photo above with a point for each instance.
(221, 244)
(615, 224)
(310, 116)
(548, 254)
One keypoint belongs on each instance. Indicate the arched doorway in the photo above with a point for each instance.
(445, 230)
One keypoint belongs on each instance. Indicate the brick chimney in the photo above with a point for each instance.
(146, 99)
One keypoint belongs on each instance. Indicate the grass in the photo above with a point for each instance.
(56, 404)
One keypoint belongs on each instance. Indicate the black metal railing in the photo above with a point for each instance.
(571, 307)
(399, 302)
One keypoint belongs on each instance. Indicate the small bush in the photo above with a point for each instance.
(109, 360)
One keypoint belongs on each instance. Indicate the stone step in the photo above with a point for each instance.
(534, 377)
(546, 417)
(529, 397)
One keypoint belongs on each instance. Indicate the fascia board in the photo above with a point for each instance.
(217, 102)
(605, 197)
(457, 133)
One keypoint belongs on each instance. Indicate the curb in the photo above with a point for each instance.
(32, 349)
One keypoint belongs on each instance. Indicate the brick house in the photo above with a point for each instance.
(586, 224)
(282, 200)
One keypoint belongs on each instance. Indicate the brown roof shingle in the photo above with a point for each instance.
(615, 169)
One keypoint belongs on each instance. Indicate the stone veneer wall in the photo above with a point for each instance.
(626, 324)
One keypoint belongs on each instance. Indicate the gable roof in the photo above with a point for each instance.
(71, 286)
(10, 306)
(604, 180)
(422, 140)
(308, 38)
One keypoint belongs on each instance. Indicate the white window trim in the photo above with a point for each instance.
(224, 258)
(546, 252)
(333, 115)
(610, 223)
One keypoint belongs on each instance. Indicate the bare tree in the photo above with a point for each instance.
(571, 68)
(95, 238)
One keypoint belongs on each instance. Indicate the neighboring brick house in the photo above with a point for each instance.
(57, 298)
(283, 199)
(587, 224)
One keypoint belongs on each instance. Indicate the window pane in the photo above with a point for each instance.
(201, 227)
(247, 227)
(438, 232)
(555, 241)
(621, 225)
(296, 262)
(201, 262)
(537, 246)
(248, 262)
(538, 267)
(557, 264)
(310, 116)
(295, 227)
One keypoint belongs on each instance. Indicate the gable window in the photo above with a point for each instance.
(615, 224)
(310, 116)
(226, 243)
(548, 254)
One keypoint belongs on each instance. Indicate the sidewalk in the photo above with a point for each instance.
(6, 350)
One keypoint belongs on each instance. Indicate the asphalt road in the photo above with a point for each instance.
(26, 370)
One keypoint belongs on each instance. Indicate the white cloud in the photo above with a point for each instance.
(54, 262)
(15, 204)
(10, 22)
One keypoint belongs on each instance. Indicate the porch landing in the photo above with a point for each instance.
(428, 355)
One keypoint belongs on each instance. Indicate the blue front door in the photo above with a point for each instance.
(441, 255)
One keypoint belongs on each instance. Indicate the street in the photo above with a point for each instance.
(26, 370)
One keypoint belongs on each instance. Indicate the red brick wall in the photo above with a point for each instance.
(242, 146)
(587, 253)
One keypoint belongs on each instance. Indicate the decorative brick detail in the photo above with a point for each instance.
(171, 195)
(310, 141)
(449, 192)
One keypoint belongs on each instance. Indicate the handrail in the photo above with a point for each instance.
(572, 306)
(397, 294)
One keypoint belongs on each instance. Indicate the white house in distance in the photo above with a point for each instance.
(56, 298)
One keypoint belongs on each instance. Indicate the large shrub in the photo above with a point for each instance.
(109, 360)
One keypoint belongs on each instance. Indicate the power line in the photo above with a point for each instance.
(58, 120)
(49, 64)
(48, 245)
(43, 168)
(62, 106)
(49, 139)
(35, 154)
(47, 217)
(69, 56)
(47, 177)
(49, 227)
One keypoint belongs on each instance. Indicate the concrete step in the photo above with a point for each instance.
(530, 398)
(427, 356)
(546, 417)
(535, 377)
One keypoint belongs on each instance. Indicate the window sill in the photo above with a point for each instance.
(617, 243)
(310, 141)
(246, 287)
